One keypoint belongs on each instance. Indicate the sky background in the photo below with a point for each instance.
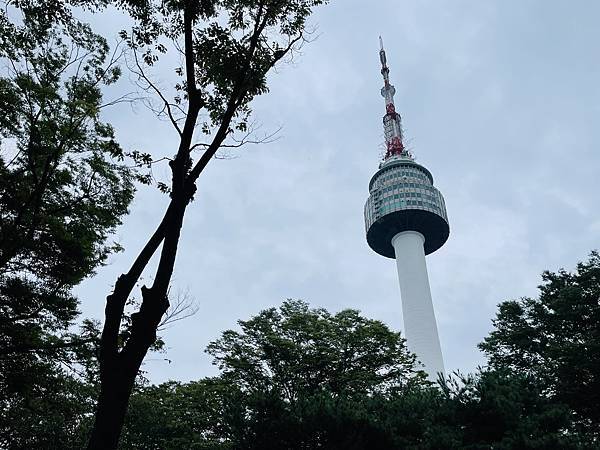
(500, 101)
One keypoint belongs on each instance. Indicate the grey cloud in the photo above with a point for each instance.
(500, 101)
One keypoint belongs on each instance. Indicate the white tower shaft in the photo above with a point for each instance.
(417, 308)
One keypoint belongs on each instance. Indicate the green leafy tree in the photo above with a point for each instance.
(300, 378)
(487, 410)
(293, 377)
(309, 378)
(316, 380)
(227, 48)
(43, 406)
(295, 350)
(555, 339)
(197, 415)
(500, 410)
(63, 191)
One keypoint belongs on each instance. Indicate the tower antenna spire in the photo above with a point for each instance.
(384, 68)
(392, 122)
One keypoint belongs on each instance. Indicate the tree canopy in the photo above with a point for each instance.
(295, 349)
(64, 188)
(292, 377)
(555, 339)
(295, 377)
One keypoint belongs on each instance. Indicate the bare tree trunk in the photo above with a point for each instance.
(110, 413)
(118, 377)
(118, 369)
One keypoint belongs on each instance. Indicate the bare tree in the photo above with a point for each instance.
(227, 47)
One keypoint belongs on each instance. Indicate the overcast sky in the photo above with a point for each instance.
(500, 101)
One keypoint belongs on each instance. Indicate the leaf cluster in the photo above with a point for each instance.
(63, 190)
(295, 377)
(555, 339)
(233, 46)
(296, 349)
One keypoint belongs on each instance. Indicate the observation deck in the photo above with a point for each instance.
(403, 198)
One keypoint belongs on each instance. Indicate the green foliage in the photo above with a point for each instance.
(235, 44)
(301, 378)
(294, 377)
(216, 414)
(496, 409)
(555, 339)
(490, 410)
(42, 405)
(297, 350)
(305, 377)
(195, 415)
(63, 191)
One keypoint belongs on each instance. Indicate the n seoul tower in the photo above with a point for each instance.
(405, 218)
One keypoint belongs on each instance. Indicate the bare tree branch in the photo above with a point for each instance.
(182, 307)
(246, 139)
(167, 106)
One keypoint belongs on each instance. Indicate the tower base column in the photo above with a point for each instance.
(420, 327)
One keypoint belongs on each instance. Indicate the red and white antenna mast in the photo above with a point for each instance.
(392, 122)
